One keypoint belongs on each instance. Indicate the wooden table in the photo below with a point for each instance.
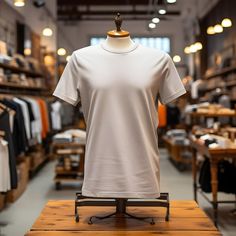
(63, 150)
(176, 153)
(57, 219)
(215, 155)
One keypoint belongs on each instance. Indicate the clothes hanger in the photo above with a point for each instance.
(118, 33)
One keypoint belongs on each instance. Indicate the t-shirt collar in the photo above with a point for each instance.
(132, 48)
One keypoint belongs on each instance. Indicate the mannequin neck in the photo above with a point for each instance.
(118, 44)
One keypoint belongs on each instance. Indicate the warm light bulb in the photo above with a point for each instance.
(162, 11)
(210, 30)
(226, 22)
(47, 32)
(61, 51)
(177, 58)
(171, 1)
(193, 48)
(198, 45)
(19, 3)
(152, 25)
(155, 20)
(27, 51)
(187, 50)
(68, 57)
(218, 28)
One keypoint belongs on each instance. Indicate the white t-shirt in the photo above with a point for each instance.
(117, 92)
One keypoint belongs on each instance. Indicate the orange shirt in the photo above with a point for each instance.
(44, 115)
(162, 115)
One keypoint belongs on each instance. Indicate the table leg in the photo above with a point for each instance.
(214, 187)
(194, 173)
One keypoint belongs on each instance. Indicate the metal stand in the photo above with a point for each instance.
(121, 204)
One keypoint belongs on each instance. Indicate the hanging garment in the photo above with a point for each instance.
(44, 116)
(55, 114)
(162, 115)
(25, 115)
(118, 92)
(5, 178)
(173, 115)
(5, 126)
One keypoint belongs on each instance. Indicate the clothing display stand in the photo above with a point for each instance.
(121, 204)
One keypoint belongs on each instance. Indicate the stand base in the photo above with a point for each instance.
(121, 204)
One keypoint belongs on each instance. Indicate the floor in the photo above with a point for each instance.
(18, 217)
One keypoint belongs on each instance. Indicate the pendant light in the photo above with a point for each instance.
(47, 31)
(171, 1)
(187, 50)
(177, 59)
(218, 28)
(210, 30)
(19, 3)
(226, 22)
(61, 51)
(198, 45)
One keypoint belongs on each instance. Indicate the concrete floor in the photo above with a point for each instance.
(18, 217)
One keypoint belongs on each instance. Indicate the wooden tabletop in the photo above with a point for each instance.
(186, 218)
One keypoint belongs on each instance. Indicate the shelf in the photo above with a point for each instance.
(213, 114)
(19, 86)
(221, 72)
(20, 70)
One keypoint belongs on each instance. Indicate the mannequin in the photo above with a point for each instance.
(118, 40)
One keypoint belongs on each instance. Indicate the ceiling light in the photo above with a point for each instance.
(218, 28)
(19, 3)
(47, 32)
(210, 30)
(198, 45)
(152, 25)
(68, 58)
(27, 51)
(226, 22)
(171, 1)
(177, 58)
(162, 11)
(61, 51)
(193, 48)
(155, 20)
(187, 50)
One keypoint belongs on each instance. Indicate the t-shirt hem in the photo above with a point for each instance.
(120, 194)
(65, 98)
(173, 96)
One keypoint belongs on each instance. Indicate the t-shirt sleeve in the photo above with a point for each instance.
(171, 86)
(67, 88)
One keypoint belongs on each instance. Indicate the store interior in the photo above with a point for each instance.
(43, 138)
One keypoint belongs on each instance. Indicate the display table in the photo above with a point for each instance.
(186, 218)
(215, 155)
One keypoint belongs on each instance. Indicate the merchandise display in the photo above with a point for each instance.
(117, 117)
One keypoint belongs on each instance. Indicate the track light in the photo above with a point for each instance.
(210, 30)
(155, 20)
(177, 58)
(152, 25)
(162, 11)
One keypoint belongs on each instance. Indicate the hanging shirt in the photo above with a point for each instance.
(56, 116)
(5, 178)
(26, 116)
(118, 92)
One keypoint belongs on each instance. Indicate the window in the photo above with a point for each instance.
(161, 43)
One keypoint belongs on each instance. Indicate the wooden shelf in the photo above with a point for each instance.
(19, 86)
(221, 72)
(213, 114)
(20, 70)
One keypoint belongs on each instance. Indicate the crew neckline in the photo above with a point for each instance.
(131, 49)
